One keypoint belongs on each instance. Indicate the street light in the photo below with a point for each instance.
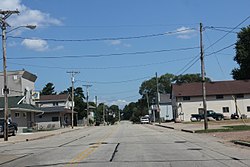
(4, 26)
(32, 27)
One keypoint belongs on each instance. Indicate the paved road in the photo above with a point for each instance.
(124, 145)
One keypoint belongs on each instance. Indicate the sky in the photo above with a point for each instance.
(115, 45)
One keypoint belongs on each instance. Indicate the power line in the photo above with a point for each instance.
(229, 46)
(217, 29)
(116, 82)
(104, 55)
(102, 68)
(104, 39)
(196, 59)
(227, 33)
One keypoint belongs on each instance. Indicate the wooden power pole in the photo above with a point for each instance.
(203, 80)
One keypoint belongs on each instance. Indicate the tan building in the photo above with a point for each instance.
(226, 97)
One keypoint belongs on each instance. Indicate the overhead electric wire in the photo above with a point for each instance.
(217, 29)
(227, 33)
(116, 82)
(196, 59)
(193, 61)
(101, 68)
(226, 47)
(103, 39)
(103, 55)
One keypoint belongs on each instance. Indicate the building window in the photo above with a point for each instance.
(225, 109)
(239, 96)
(54, 119)
(17, 114)
(55, 104)
(185, 98)
(219, 96)
(248, 108)
(24, 114)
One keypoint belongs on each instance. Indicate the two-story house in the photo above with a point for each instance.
(226, 97)
(57, 108)
(21, 108)
(165, 105)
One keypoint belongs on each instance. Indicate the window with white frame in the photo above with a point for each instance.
(248, 108)
(225, 109)
(17, 114)
(219, 96)
(186, 98)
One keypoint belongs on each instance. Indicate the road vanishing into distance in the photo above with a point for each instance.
(123, 145)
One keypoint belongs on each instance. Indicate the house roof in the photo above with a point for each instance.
(56, 109)
(212, 88)
(14, 103)
(45, 98)
(25, 74)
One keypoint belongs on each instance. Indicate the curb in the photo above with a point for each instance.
(189, 131)
(169, 127)
(242, 143)
(40, 137)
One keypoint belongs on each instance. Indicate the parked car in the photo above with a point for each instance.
(12, 128)
(144, 120)
(210, 113)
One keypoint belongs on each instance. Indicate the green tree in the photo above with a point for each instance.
(189, 78)
(149, 86)
(242, 56)
(49, 89)
(80, 105)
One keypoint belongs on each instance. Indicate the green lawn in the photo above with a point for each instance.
(226, 129)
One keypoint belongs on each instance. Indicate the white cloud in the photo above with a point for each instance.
(36, 44)
(185, 33)
(119, 43)
(27, 15)
(120, 103)
(115, 42)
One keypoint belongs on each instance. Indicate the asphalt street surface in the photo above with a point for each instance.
(123, 145)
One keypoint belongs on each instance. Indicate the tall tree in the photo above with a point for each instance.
(242, 56)
(80, 105)
(189, 78)
(149, 86)
(49, 89)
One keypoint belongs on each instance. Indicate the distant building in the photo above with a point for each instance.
(165, 105)
(226, 97)
(57, 108)
(21, 85)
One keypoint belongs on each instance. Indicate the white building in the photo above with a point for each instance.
(165, 105)
(226, 97)
(21, 108)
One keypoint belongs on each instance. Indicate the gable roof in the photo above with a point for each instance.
(48, 98)
(212, 88)
(24, 74)
(14, 103)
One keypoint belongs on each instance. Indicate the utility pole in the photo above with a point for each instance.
(4, 24)
(147, 100)
(203, 80)
(95, 107)
(73, 73)
(87, 91)
(103, 110)
(157, 97)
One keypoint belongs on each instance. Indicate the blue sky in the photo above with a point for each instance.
(94, 19)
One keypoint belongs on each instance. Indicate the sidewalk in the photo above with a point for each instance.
(22, 137)
(192, 127)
